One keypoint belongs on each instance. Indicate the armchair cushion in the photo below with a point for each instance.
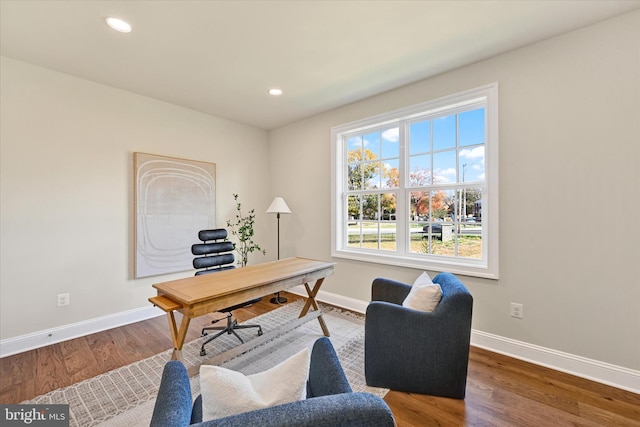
(424, 295)
(226, 392)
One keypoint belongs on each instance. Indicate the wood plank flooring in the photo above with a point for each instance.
(501, 391)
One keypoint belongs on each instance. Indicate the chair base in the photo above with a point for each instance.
(232, 325)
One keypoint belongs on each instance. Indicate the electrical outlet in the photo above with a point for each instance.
(517, 310)
(63, 299)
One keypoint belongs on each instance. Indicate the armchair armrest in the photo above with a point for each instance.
(173, 404)
(347, 409)
(389, 290)
(325, 372)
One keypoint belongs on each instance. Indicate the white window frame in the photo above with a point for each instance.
(487, 267)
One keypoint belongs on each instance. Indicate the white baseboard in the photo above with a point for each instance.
(602, 372)
(334, 299)
(39, 339)
(594, 370)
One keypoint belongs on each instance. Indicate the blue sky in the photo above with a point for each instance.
(434, 141)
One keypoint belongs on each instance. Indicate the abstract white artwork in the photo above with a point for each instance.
(174, 199)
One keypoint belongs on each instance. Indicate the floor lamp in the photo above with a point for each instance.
(278, 206)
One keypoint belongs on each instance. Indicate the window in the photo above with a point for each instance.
(418, 187)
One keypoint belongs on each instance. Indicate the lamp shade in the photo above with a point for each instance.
(278, 206)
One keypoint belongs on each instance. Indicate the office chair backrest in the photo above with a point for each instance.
(217, 255)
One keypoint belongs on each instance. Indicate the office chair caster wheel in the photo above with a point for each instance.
(203, 352)
(259, 332)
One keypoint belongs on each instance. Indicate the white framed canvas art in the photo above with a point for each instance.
(174, 199)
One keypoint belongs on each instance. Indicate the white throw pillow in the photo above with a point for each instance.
(226, 392)
(424, 295)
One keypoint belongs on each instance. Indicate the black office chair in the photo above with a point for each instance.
(218, 256)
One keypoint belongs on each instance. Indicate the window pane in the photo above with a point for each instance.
(390, 175)
(471, 127)
(444, 167)
(354, 144)
(370, 207)
(471, 162)
(420, 170)
(354, 234)
(390, 143)
(388, 236)
(420, 137)
(419, 205)
(372, 144)
(469, 244)
(471, 205)
(444, 132)
(354, 176)
(388, 206)
(442, 205)
(370, 235)
(355, 212)
(371, 172)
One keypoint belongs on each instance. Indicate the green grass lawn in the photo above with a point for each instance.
(468, 246)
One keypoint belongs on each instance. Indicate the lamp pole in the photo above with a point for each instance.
(278, 216)
(277, 207)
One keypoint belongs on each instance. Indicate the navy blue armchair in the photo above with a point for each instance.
(415, 351)
(330, 400)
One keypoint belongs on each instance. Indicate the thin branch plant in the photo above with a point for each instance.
(242, 230)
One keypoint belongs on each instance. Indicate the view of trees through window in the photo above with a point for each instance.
(418, 187)
(434, 167)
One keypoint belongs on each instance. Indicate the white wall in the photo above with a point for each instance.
(67, 191)
(569, 191)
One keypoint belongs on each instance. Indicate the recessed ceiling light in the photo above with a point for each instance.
(275, 92)
(118, 25)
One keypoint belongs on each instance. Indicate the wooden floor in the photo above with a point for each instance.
(501, 391)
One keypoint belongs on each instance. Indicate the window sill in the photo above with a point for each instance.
(472, 268)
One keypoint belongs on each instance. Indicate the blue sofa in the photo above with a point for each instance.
(330, 400)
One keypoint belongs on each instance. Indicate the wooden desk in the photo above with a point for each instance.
(199, 295)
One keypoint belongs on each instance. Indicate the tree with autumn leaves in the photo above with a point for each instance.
(363, 167)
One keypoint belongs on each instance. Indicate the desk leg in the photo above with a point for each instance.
(178, 336)
(311, 301)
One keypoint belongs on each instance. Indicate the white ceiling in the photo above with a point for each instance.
(221, 57)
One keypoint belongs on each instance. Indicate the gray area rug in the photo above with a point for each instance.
(125, 396)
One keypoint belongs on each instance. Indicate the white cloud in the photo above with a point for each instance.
(476, 153)
(392, 134)
(442, 176)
